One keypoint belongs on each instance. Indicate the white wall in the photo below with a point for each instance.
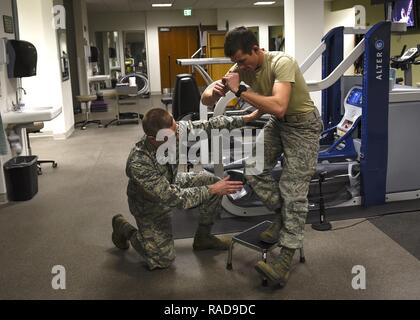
(7, 91)
(252, 17)
(63, 130)
(68, 110)
(304, 29)
(44, 89)
(116, 21)
(339, 18)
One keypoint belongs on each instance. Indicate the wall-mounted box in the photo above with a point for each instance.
(22, 59)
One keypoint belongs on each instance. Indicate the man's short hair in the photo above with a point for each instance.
(240, 39)
(155, 120)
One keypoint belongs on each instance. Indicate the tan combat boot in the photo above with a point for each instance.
(278, 271)
(204, 240)
(272, 234)
(121, 232)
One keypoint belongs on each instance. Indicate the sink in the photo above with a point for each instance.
(36, 109)
(31, 114)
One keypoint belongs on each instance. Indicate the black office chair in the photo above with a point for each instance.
(186, 98)
(35, 128)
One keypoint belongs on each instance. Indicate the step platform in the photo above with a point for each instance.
(250, 238)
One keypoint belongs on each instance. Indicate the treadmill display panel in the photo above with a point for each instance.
(355, 97)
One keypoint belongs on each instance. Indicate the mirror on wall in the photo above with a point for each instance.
(108, 62)
(63, 54)
(120, 53)
(135, 52)
(256, 31)
(135, 60)
(276, 35)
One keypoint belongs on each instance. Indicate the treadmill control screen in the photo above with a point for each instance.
(355, 97)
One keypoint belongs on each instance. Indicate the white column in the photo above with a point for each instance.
(36, 25)
(304, 29)
(264, 37)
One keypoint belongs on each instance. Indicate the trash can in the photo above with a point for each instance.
(21, 176)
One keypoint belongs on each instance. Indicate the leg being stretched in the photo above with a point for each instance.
(300, 158)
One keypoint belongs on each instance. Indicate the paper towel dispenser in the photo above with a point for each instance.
(22, 59)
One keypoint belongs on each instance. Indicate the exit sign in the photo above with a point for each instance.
(187, 12)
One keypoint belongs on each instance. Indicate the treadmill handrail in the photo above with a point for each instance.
(340, 70)
(220, 108)
(313, 57)
(203, 61)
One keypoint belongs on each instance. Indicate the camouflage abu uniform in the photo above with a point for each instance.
(296, 136)
(154, 189)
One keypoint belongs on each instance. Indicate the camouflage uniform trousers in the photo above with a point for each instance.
(298, 140)
(154, 239)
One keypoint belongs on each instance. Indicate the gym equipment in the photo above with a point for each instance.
(127, 94)
(323, 224)
(198, 63)
(405, 61)
(378, 173)
(141, 80)
(186, 98)
(343, 147)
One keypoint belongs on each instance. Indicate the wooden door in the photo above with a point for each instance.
(215, 49)
(175, 43)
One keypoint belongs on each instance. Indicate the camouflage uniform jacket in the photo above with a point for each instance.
(150, 181)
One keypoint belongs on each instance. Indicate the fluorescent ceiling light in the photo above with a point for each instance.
(264, 3)
(161, 5)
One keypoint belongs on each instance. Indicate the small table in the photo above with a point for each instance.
(87, 100)
(250, 239)
(126, 96)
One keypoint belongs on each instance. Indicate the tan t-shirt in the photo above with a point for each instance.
(280, 67)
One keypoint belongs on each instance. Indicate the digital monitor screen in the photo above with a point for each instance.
(379, 1)
(355, 98)
(404, 11)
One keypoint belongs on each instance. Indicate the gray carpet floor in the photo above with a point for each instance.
(402, 228)
(68, 223)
